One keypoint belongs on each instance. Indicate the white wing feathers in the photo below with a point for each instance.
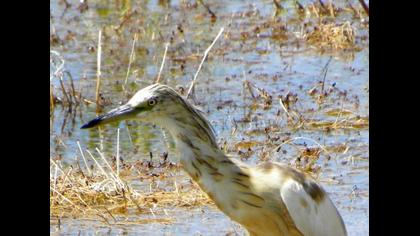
(313, 217)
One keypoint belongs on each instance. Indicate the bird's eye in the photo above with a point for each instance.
(152, 102)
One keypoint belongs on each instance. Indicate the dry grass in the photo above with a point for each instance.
(99, 193)
(336, 36)
(63, 94)
(344, 123)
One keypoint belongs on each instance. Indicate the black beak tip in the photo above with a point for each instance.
(85, 126)
(91, 124)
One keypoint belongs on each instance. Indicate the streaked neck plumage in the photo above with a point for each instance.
(205, 162)
(197, 147)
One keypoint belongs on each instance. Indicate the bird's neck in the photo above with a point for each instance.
(200, 158)
(208, 165)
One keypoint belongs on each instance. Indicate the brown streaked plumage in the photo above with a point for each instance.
(269, 199)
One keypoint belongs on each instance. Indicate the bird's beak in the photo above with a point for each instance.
(121, 113)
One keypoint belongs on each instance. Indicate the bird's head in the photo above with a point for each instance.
(151, 104)
(158, 104)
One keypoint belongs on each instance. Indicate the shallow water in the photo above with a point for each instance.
(277, 66)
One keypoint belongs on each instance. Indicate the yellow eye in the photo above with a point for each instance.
(152, 102)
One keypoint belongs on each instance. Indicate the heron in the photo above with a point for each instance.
(268, 199)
